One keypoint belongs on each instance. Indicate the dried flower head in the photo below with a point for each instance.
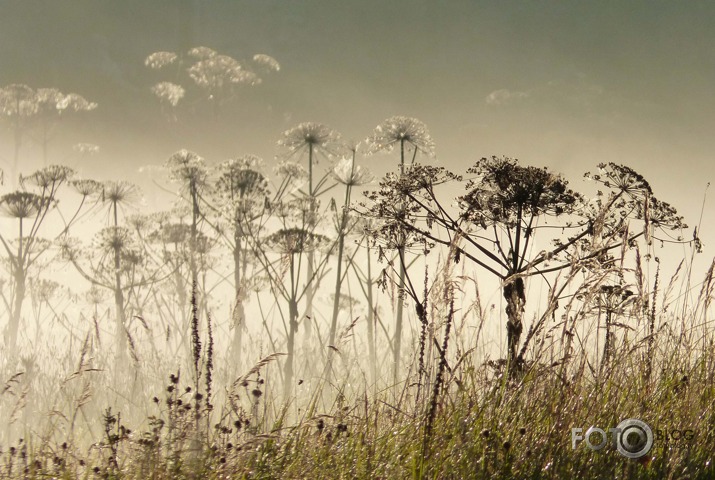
(290, 170)
(168, 92)
(119, 192)
(21, 205)
(159, 60)
(311, 135)
(48, 99)
(399, 130)
(216, 71)
(290, 241)
(347, 173)
(85, 148)
(202, 53)
(75, 103)
(111, 239)
(17, 100)
(240, 178)
(505, 191)
(267, 61)
(49, 178)
(86, 187)
(187, 167)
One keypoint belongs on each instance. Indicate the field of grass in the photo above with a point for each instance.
(472, 422)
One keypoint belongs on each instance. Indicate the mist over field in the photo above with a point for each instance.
(369, 240)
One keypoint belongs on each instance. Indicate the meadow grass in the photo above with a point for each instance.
(484, 426)
(455, 415)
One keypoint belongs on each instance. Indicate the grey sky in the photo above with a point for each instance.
(563, 84)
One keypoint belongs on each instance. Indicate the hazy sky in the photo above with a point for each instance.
(563, 84)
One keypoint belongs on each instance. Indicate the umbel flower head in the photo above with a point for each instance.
(85, 148)
(311, 135)
(239, 178)
(168, 92)
(75, 103)
(187, 167)
(215, 71)
(159, 60)
(504, 190)
(290, 241)
(17, 100)
(119, 239)
(86, 187)
(21, 205)
(267, 61)
(347, 173)
(290, 169)
(119, 192)
(49, 178)
(399, 130)
(48, 99)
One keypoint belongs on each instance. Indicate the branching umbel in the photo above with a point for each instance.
(499, 217)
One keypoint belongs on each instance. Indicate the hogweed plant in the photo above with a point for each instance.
(499, 218)
(347, 173)
(38, 111)
(217, 76)
(312, 140)
(241, 195)
(411, 136)
(32, 208)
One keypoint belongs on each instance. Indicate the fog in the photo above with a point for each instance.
(560, 86)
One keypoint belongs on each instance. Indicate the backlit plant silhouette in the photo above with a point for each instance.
(347, 173)
(410, 136)
(241, 194)
(31, 210)
(216, 75)
(505, 207)
(314, 140)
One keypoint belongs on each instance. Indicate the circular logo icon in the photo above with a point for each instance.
(635, 438)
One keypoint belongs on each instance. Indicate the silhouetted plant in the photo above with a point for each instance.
(216, 75)
(347, 173)
(314, 140)
(31, 211)
(241, 193)
(51, 106)
(22, 107)
(291, 244)
(17, 106)
(504, 207)
(411, 137)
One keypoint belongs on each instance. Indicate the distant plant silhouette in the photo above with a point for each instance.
(24, 108)
(216, 75)
(411, 137)
(116, 260)
(31, 210)
(241, 196)
(347, 173)
(314, 140)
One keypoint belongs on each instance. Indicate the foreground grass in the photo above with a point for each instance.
(484, 427)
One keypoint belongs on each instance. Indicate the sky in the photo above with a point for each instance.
(560, 84)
